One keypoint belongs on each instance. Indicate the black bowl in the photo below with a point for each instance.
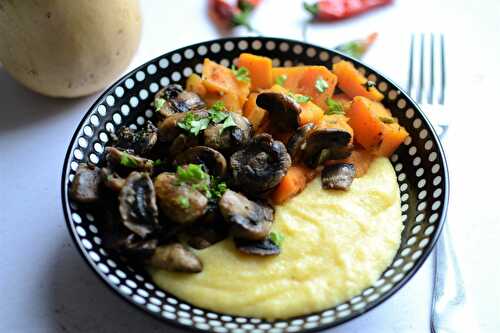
(419, 163)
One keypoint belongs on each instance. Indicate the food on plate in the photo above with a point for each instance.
(284, 188)
(68, 48)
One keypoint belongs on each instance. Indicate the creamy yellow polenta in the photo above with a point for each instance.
(336, 244)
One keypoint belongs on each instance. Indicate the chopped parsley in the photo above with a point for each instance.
(159, 103)
(128, 161)
(191, 173)
(183, 201)
(241, 74)
(301, 99)
(387, 120)
(193, 123)
(369, 84)
(217, 188)
(277, 238)
(321, 85)
(354, 48)
(334, 107)
(281, 79)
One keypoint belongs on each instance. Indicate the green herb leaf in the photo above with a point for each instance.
(242, 73)
(334, 107)
(191, 173)
(217, 188)
(158, 103)
(281, 79)
(193, 124)
(158, 163)
(128, 161)
(183, 201)
(354, 48)
(321, 85)
(277, 238)
(228, 122)
(387, 120)
(218, 106)
(217, 116)
(369, 84)
(301, 99)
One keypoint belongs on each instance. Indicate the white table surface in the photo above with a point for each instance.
(46, 287)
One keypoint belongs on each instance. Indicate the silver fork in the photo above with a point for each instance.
(427, 85)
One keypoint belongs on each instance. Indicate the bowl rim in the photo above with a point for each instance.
(397, 286)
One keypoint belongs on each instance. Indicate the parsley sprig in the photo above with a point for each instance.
(301, 99)
(334, 107)
(241, 73)
(277, 238)
(281, 79)
(159, 103)
(194, 123)
(194, 175)
(128, 161)
(321, 85)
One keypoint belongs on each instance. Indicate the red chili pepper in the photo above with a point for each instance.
(231, 16)
(248, 4)
(332, 10)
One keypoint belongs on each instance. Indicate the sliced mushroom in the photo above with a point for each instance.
(178, 100)
(214, 162)
(138, 142)
(283, 110)
(176, 258)
(168, 129)
(261, 165)
(231, 138)
(137, 204)
(181, 143)
(136, 247)
(247, 219)
(326, 144)
(85, 186)
(126, 160)
(297, 143)
(112, 180)
(265, 247)
(337, 176)
(180, 202)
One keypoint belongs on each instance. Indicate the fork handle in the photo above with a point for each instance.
(449, 313)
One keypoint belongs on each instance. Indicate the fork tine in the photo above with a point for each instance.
(443, 71)
(430, 96)
(410, 69)
(421, 83)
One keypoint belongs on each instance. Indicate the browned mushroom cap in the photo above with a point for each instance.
(112, 180)
(297, 143)
(326, 144)
(180, 202)
(261, 165)
(247, 219)
(213, 161)
(264, 247)
(178, 100)
(181, 143)
(137, 204)
(85, 186)
(138, 142)
(337, 176)
(231, 138)
(176, 258)
(283, 110)
(126, 160)
(168, 129)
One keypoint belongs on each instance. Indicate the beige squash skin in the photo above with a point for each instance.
(67, 48)
(336, 244)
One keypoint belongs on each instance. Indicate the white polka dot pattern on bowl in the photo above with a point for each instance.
(419, 165)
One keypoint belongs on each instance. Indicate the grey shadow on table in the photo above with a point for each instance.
(21, 107)
(79, 302)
